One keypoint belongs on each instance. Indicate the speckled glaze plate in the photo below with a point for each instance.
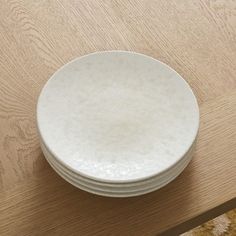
(117, 117)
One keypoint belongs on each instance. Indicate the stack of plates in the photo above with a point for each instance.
(117, 123)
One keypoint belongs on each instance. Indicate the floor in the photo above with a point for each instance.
(221, 226)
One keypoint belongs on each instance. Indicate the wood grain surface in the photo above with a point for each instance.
(196, 38)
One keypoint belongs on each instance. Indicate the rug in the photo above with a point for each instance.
(224, 225)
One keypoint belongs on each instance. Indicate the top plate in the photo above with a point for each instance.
(117, 116)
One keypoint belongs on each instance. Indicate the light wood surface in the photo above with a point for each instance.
(196, 38)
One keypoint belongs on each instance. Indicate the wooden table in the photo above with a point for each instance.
(196, 38)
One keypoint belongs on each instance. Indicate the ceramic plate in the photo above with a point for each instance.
(117, 116)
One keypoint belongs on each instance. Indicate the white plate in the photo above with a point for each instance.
(117, 116)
